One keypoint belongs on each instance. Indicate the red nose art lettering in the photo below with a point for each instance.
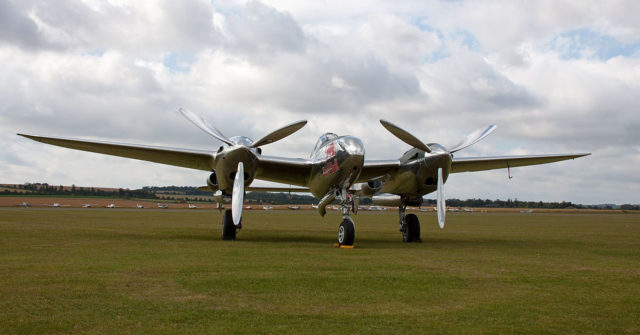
(331, 151)
(331, 167)
(332, 164)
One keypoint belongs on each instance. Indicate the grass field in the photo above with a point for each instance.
(154, 271)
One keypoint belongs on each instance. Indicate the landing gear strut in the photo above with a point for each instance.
(409, 226)
(347, 230)
(228, 228)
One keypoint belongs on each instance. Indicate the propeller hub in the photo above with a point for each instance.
(241, 141)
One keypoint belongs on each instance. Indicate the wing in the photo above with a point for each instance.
(193, 159)
(377, 168)
(292, 171)
(469, 164)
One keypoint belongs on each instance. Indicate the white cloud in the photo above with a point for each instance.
(119, 70)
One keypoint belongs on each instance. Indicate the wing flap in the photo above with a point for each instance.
(193, 159)
(469, 164)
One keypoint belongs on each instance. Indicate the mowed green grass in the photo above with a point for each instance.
(167, 271)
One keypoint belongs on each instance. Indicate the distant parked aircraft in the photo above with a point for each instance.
(57, 205)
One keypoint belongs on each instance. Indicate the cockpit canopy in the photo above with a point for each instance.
(326, 137)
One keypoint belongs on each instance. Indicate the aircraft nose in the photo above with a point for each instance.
(353, 145)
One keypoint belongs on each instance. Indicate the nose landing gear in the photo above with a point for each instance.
(347, 230)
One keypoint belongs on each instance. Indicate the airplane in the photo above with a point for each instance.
(163, 205)
(293, 207)
(139, 206)
(267, 208)
(24, 204)
(191, 206)
(335, 170)
(87, 205)
(110, 206)
(58, 205)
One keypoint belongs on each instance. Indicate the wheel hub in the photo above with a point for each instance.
(341, 234)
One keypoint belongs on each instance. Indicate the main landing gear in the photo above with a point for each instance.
(228, 228)
(347, 229)
(409, 226)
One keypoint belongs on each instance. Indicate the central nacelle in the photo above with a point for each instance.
(336, 163)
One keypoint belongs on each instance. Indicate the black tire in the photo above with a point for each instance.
(228, 228)
(412, 231)
(346, 232)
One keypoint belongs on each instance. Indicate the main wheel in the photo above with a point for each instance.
(228, 228)
(346, 232)
(412, 231)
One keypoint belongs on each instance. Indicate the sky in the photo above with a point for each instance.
(555, 76)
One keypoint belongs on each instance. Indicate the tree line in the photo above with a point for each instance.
(191, 193)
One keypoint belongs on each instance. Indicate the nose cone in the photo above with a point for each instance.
(352, 145)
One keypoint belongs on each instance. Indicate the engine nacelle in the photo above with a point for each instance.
(368, 189)
(212, 182)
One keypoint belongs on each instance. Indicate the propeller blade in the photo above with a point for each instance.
(204, 125)
(405, 136)
(279, 134)
(440, 200)
(237, 195)
(473, 138)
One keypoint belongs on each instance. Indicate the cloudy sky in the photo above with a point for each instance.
(555, 76)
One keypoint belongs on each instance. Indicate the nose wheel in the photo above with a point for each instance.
(346, 232)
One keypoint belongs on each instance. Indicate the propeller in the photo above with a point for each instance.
(237, 196)
(411, 140)
(237, 192)
(440, 203)
(201, 123)
(473, 138)
(279, 134)
(470, 139)
(404, 136)
(274, 136)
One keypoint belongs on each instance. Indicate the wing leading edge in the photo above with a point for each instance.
(470, 164)
(277, 169)
(193, 159)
